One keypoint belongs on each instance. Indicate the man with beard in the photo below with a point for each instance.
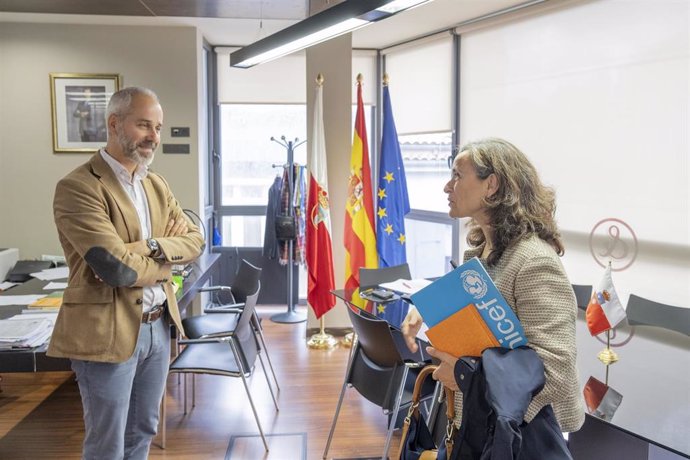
(121, 230)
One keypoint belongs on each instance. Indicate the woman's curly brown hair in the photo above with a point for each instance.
(522, 205)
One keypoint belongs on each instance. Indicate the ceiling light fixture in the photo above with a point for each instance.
(344, 17)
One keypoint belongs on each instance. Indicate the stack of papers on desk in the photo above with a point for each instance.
(24, 332)
(408, 287)
(52, 273)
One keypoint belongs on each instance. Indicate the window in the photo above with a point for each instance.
(250, 162)
(425, 157)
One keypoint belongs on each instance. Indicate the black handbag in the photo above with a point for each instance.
(417, 443)
(285, 227)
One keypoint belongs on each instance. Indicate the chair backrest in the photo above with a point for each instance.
(372, 277)
(646, 312)
(583, 292)
(375, 339)
(377, 366)
(246, 281)
(244, 333)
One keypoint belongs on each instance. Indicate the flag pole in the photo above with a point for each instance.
(321, 340)
(607, 355)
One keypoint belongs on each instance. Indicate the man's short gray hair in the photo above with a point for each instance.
(121, 101)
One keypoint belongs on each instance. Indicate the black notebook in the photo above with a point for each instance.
(23, 268)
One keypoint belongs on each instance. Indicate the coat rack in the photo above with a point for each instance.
(290, 316)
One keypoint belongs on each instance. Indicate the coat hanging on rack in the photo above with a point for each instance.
(272, 209)
(297, 201)
(292, 210)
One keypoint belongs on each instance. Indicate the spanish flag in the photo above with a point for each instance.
(359, 234)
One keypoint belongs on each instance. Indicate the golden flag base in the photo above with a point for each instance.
(348, 340)
(321, 340)
(607, 355)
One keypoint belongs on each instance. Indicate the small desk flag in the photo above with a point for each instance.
(605, 310)
(359, 234)
(601, 400)
(319, 251)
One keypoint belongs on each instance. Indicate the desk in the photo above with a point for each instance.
(35, 359)
(653, 376)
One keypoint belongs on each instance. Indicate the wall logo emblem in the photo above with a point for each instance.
(613, 240)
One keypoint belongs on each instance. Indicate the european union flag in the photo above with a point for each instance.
(392, 206)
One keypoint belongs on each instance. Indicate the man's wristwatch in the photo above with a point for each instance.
(153, 247)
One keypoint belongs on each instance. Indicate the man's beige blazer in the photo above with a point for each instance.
(95, 217)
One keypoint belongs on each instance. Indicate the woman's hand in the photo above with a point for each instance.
(410, 327)
(446, 370)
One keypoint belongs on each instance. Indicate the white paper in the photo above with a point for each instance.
(36, 313)
(52, 273)
(19, 299)
(5, 285)
(22, 329)
(54, 285)
(406, 286)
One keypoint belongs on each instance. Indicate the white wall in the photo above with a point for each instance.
(333, 59)
(597, 95)
(164, 59)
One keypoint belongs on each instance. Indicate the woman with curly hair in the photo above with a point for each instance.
(512, 230)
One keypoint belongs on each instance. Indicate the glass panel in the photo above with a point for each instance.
(243, 231)
(429, 249)
(248, 152)
(426, 168)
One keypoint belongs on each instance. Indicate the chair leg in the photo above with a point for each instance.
(249, 395)
(193, 391)
(394, 415)
(335, 419)
(256, 415)
(162, 422)
(268, 382)
(184, 392)
(270, 364)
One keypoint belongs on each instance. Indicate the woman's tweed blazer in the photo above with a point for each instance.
(531, 277)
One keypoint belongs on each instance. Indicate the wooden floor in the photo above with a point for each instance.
(40, 414)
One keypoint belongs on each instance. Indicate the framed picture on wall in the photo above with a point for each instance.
(78, 102)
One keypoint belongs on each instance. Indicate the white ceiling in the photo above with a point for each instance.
(434, 16)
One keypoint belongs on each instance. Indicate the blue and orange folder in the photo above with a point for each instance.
(466, 313)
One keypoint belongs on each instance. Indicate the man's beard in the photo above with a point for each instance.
(131, 149)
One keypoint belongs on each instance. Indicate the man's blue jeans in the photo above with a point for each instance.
(121, 401)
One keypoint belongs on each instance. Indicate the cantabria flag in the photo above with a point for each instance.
(601, 400)
(605, 310)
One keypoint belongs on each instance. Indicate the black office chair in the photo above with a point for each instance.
(644, 312)
(224, 310)
(379, 372)
(583, 293)
(372, 277)
(230, 354)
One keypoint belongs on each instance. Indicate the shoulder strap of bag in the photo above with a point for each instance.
(450, 426)
(419, 383)
(413, 411)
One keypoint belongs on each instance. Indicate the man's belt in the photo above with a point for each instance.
(154, 314)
